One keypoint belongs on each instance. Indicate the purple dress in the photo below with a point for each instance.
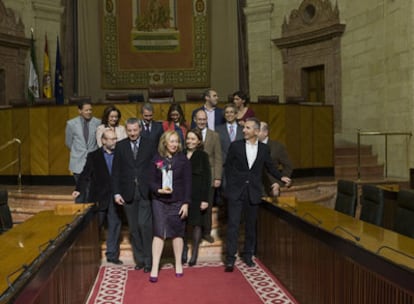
(165, 207)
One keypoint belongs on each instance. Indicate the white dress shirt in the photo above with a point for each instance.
(251, 152)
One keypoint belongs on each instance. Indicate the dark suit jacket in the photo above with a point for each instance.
(280, 160)
(225, 138)
(155, 133)
(96, 171)
(238, 175)
(218, 117)
(125, 169)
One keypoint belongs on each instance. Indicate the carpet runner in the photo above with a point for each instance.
(203, 283)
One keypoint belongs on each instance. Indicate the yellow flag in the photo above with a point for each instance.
(47, 76)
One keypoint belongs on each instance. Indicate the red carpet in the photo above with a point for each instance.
(205, 283)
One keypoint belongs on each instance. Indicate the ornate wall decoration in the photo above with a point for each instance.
(14, 48)
(147, 42)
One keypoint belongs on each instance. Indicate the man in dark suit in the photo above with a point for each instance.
(229, 131)
(245, 162)
(132, 161)
(97, 174)
(150, 128)
(214, 114)
(280, 160)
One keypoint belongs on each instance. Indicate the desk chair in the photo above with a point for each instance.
(268, 99)
(6, 221)
(76, 100)
(404, 219)
(116, 97)
(372, 204)
(44, 101)
(346, 197)
(194, 97)
(160, 94)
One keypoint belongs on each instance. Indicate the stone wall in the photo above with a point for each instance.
(376, 52)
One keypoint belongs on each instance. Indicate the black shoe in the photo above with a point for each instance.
(184, 255)
(249, 262)
(192, 262)
(139, 266)
(147, 269)
(229, 267)
(115, 261)
(208, 238)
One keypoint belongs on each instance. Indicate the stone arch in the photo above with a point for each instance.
(311, 37)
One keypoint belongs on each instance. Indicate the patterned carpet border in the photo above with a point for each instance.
(112, 281)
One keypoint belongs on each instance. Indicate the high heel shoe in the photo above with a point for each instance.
(153, 279)
(179, 275)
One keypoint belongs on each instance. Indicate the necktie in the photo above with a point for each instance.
(135, 149)
(146, 127)
(86, 130)
(232, 133)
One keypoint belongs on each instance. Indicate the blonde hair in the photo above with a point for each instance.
(162, 146)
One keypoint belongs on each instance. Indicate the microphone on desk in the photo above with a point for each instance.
(395, 250)
(290, 207)
(63, 227)
(24, 267)
(312, 216)
(357, 238)
(49, 242)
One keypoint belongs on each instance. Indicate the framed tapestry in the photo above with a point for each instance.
(151, 42)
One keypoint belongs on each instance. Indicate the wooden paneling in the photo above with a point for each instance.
(323, 142)
(306, 131)
(39, 140)
(21, 130)
(57, 150)
(6, 134)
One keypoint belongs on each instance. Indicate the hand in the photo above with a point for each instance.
(275, 189)
(286, 180)
(165, 191)
(183, 211)
(75, 194)
(119, 200)
(216, 183)
(203, 205)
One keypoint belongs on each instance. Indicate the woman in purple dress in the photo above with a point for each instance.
(170, 182)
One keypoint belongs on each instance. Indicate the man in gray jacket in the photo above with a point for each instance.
(81, 139)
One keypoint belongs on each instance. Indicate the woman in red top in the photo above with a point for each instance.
(176, 121)
(240, 99)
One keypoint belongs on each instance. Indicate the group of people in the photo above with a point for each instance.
(166, 176)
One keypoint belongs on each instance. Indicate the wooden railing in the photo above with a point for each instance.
(319, 263)
(385, 134)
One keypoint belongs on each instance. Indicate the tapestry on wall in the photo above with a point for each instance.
(150, 42)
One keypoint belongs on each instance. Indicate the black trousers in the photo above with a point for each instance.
(235, 210)
(114, 224)
(139, 216)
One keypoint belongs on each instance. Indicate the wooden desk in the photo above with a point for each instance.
(314, 251)
(53, 257)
